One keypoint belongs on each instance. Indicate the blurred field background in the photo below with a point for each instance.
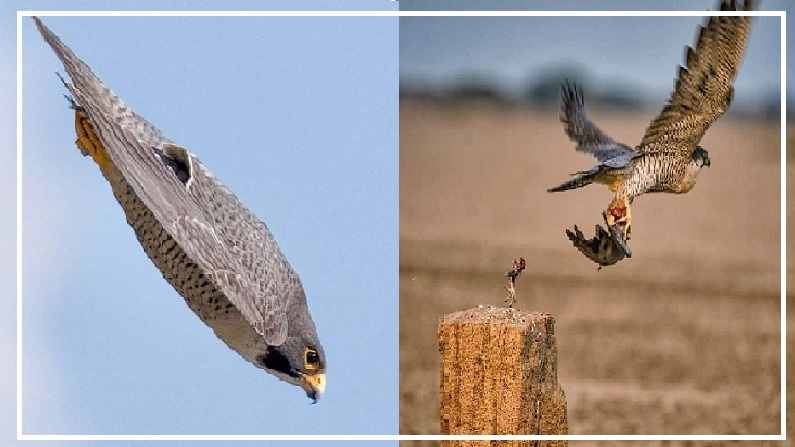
(681, 339)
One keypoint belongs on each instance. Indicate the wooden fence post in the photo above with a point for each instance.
(499, 375)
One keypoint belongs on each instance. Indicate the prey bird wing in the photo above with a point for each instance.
(703, 89)
(589, 138)
(230, 245)
(605, 248)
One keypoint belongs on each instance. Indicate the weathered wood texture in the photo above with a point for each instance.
(499, 375)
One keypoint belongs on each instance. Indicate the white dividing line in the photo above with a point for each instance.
(19, 225)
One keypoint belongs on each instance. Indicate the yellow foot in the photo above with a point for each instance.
(88, 142)
(619, 213)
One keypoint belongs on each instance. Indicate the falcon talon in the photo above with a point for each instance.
(63, 81)
(72, 104)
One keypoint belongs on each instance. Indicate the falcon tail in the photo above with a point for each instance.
(94, 103)
(71, 62)
(578, 181)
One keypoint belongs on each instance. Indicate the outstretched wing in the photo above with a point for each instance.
(581, 130)
(703, 89)
(233, 248)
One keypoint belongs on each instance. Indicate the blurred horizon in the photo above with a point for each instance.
(616, 60)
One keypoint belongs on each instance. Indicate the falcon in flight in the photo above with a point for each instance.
(215, 252)
(668, 158)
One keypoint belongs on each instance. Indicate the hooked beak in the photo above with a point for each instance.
(707, 163)
(314, 385)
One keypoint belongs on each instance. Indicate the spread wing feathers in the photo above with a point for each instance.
(232, 246)
(581, 130)
(703, 89)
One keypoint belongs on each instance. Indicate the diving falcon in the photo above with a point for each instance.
(669, 157)
(213, 250)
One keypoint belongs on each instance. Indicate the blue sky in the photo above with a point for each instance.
(297, 116)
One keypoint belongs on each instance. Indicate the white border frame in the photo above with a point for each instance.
(83, 437)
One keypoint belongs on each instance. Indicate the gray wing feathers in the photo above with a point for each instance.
(619, 161)
(252, 250)
(610, 151)
(214, 229)
(589, 138)
(260, 304)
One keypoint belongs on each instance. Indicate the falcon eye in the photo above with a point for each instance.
(311, 359)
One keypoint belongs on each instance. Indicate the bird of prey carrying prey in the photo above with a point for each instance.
(215, 252)
(668, 158)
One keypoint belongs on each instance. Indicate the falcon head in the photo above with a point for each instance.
(297, 361)
(701, 157)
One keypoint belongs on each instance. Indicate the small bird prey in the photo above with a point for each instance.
(668, 158)
(215, 252)
(605, 248)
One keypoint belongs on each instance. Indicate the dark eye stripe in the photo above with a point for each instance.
(275, 360)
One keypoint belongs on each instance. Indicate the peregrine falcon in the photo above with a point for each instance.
(215, 252)
(668, 158)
